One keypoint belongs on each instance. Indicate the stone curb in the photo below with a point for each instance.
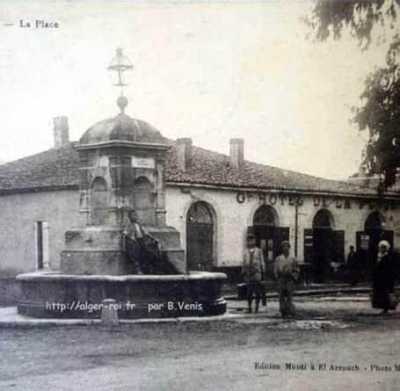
(311, 292)
(23, 322)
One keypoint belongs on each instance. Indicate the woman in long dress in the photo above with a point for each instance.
(383, 278)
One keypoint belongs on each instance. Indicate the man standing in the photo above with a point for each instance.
(286, 272)
(253, 272)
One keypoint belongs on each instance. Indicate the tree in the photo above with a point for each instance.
(379, 112)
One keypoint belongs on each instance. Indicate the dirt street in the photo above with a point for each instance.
(358, 352)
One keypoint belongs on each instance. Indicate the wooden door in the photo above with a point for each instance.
(324, 252)
(338, 246)
(200, 246)
(200, 237)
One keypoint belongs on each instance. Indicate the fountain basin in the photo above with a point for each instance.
(51, 294)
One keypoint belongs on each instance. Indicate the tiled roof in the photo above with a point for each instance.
(58, 169)
(54, 168)
(212, 168)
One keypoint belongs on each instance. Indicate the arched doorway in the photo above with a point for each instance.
(266, 215)
(99, 201)
(269, 235)
(323, 219)
(322, 243)
(144, 200)
(327, 247)
(200, 236)
(367, 241)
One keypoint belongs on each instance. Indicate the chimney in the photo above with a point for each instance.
(61, 131)
(236, 152)
(184, 153)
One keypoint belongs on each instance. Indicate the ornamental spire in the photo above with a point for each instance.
(120, 64)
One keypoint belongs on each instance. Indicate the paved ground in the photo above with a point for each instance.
(212, 355)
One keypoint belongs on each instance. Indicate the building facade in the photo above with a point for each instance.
(212, 199)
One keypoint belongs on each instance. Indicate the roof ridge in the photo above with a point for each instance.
(268, 166)
(58, 167)
(38, 154)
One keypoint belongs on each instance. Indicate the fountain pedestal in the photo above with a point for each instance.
(100, 250)
(122, 169)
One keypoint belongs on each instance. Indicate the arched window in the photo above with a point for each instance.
(265, 215)
(200, 236)
(374, 221)
(323, 219)
(99, 201)
(144, 200)
(200, 213)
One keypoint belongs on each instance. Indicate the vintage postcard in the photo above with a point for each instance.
(199, 195)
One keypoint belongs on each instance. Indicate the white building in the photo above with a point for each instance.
(211, 198)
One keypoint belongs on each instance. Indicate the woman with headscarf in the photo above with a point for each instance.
(383, 279)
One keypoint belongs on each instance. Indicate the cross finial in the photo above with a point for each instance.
(120, 63)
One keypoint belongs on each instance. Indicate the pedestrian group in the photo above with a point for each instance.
(286, 272)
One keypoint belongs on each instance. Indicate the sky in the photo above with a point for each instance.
(209, 71)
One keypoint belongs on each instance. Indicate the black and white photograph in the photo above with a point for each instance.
(200, 195)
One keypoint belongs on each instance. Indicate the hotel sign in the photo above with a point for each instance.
(318, 201)
(269, 198)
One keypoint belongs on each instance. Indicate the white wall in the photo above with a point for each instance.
(18, 214)
(233, 218)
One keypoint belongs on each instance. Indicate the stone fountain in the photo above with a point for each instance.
(122, 164)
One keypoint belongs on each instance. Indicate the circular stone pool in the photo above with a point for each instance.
(49, 294)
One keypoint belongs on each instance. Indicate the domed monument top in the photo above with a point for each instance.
(121, 127)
